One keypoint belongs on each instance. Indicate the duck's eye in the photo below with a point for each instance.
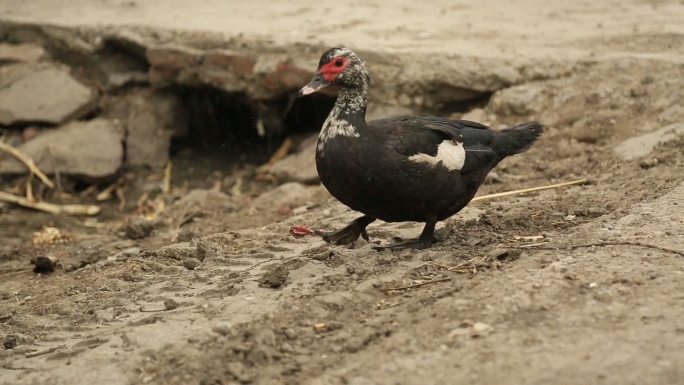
(339, 62)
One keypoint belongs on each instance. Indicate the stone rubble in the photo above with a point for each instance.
(92, 149)
(300, 166)
(42, 93)
(21, 53)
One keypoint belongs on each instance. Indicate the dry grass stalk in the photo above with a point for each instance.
(26, 160)
(280, 153)
(607, 243)
(526, 190)
(68, 209)
(107, 193)
(168, 173)
(419, 284)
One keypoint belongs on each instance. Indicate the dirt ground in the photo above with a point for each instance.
(579, 285)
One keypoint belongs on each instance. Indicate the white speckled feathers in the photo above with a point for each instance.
(334, 126)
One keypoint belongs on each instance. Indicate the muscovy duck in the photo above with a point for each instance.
(421, 169)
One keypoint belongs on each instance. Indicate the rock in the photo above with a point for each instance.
(9, 341)
(594, 128)
(126, 254)
(480, 328)
(648, 163)
(92, 149)
(234, 62)
(227, 69)
(138, 228)
(170, 304)
(119, 69)
(21, 53)
(191, 263)
(639, 146)
(171, 63)
(185, 235)
(222, 328)
(507, 73)
(277, 74)
(44, 93)
(387, 111)
(336, 301)
(275, 277)
(292, 194)
(475, 115)
(584, 131)
(176, 252)
(300, 166)
(151, 118)
(199, 203)
(29, 133)
(239, 371)
(173, 112)
(474, 330)
(517, 100)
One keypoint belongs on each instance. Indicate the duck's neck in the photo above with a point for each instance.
(351, 106)
(354, 100)
(347, 117)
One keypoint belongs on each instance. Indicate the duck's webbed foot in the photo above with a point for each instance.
(423, 242)
(349, 233)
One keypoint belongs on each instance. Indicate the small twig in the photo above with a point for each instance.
(18, 272)
(236, 190)
(73, 209)
(107, 193)
(8, 367)
(120, 193)
(417, 284)
(29, 189)
(26, 160)
(531, 245)
(432, 263)
(92, 189)
(469, 263)
(526, 190)
(144, 310)
(43, 352)
(461, 265)
(396, 304)
(252, 266)
(168, 173)
(611, 243)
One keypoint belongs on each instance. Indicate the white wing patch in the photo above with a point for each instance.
(450, 153)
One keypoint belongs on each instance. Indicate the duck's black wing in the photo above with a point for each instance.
(422, 135)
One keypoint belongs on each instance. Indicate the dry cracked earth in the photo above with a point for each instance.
(576, 285)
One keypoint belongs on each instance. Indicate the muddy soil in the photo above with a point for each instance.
(579, 285)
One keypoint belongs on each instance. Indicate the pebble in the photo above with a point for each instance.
(191, 263)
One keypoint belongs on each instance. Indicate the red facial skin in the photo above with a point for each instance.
(331, 69)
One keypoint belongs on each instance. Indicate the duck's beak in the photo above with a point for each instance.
(314, 85)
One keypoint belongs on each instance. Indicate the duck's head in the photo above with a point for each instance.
(339, 67)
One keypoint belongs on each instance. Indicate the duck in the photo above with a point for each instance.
(400, 169)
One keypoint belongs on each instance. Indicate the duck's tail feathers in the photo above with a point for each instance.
(517, 139)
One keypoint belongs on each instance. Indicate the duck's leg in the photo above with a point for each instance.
(423, 242)
(349, 233)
